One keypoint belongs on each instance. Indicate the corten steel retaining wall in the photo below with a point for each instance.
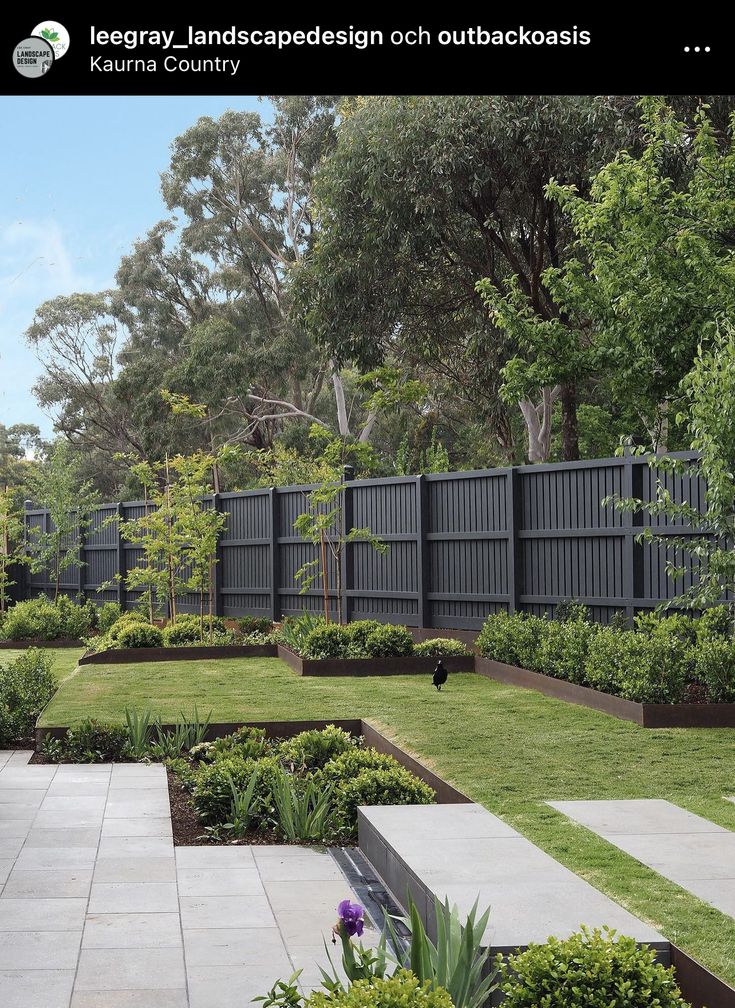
(461, 545)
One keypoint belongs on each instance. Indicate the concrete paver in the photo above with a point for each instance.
(687, 849)
(100, 910)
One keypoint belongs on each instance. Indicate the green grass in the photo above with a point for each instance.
(510, 749)
(65, 659)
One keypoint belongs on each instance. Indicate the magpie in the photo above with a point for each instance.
(440, 675)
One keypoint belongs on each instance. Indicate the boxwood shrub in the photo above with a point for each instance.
(389, 785)
(139, 635)
(402, 990)
(42, 619)
(389, 641)
(329, 640)
(26, 686)
(437, 647)
(312, 749)
(590, 969)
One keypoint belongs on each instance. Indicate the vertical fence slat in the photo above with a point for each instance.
(274, 513)
(122, 567)
(514, 520)
(423, 573)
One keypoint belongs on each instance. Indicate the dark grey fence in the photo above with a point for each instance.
(461, 545)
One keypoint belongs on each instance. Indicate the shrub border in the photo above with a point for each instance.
(646, 715)
(446, 794)
(408, 665)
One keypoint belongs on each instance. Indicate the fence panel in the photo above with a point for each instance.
(460, 546)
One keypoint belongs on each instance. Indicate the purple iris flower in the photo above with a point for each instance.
(351, 917)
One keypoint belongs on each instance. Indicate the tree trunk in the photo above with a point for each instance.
(538, 423)
(339, 395)
(569, 431)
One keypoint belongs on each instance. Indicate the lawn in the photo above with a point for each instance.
(508, 748)
(65, 659)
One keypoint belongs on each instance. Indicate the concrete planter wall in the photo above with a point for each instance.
(644, 714)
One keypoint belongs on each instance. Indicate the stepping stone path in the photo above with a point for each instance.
(462, 851)
(98, 909)
(685, 848)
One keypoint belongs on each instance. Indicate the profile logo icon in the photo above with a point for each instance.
(55, 34)
(33, 57)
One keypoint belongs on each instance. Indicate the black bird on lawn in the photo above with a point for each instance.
(440, 675)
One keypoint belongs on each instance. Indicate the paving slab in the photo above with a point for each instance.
(131, 969)
(635, 815)
(99, 906)
(36, 988)
(531, 895)
(685, 848)
(132, 930)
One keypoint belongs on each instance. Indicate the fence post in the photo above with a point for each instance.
(122, 569)
(514, 518)
(633, 524)
(27, 573)
(80, 541)
(347, 558)
(424, 614)
(217, 576)
(274, 563)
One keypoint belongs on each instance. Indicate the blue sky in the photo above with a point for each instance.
(79, 183)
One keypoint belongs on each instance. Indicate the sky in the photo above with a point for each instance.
(79, 184)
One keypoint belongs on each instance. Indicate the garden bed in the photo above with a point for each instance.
(647, 715)
(407, 665)
(193, 652)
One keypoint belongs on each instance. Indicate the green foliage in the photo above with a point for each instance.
(679, 626)
(93, 741)
(246, 743)
(379, 786)
(254, 624)
(191, 629)
(590, 969)
(140, 729)
(714, 668)
(189, 731)
(402, 990)
(354, 759)
(12, 546)
(458, 962)
(41, 619)
(242, 810)
(438, 647)
(26, 686)
(213, 788)
(569, 610)
(139, 635)
(562, 650)
(389, 641)
(59, 487)
(294, 631)
(358, 631)
(312, 749)
(512, 638)
(635, 666)
(715, 622)
(304, 809)
(327, 641)
(107, 615)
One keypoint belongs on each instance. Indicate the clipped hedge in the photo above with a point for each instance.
(671, 659)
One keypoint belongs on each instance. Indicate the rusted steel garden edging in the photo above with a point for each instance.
(644, 714)
(410, 665)
(126, 656)
(22, 645)
(698, 985)
(445, 792)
